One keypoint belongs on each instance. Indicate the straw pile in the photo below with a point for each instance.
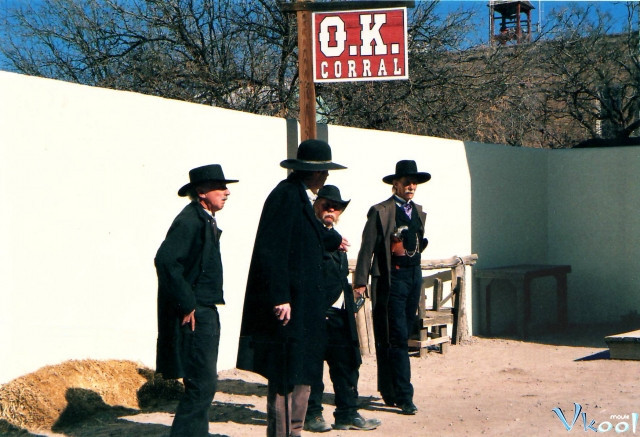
(38, 400)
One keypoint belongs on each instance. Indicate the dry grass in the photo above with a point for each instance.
(74, 390)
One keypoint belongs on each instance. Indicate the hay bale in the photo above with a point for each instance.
(37, 400)
(158, 391)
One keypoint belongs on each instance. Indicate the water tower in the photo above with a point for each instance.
(509, 21)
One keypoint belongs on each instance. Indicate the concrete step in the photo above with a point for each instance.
(625, 346)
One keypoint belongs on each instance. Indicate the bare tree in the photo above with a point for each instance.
(424, 103)
(230, 53)
(593, 76)
(236, 54)
(457, 88)
(575, 81)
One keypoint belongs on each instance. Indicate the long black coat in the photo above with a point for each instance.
(189, 248)
(337, 271)
(376, 242)
(286, 266)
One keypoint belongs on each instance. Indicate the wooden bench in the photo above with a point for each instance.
(520, 276)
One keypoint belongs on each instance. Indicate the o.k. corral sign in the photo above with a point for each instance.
(360, 45)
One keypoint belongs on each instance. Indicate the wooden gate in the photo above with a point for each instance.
(434, 319)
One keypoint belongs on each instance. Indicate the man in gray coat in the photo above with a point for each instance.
(394, 236)
(189, 270)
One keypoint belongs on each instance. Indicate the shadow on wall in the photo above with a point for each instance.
(517, 219)
(508, 207)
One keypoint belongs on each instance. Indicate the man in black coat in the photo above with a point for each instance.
(189, 269)
(342, 350)
(283, 317)
(394, 237)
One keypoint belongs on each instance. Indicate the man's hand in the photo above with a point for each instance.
(359, 291)
(344, 245)
(283, 313)
(190, 318)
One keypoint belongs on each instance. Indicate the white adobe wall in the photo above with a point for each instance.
(594, 225)
(88, 182)
(509, 225)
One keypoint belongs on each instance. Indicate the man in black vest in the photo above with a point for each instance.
(342, 350)
(189, 269)
(394, 236)
(283, 317)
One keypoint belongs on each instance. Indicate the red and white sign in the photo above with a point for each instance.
(360, 45)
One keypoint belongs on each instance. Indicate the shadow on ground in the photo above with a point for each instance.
(575, 335)
(240, 387)
(9, 430)
(87, 415)
(602, 355)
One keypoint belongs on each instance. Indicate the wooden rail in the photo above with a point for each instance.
(457, 313)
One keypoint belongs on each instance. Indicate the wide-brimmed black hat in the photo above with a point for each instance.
(206, 173)
(407, 167)
(331, 192)
(313, 155)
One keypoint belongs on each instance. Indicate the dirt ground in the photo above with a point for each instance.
(487, 386)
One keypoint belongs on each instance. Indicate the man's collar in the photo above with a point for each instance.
(310, 194)
(205, 209)
(399, 200)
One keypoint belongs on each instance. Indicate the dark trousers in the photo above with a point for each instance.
(343, 370)
(404, 296)
(200, 357)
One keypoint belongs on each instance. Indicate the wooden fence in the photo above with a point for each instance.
(433, 320)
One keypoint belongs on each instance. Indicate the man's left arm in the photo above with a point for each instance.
(423, 242)
(332, 241)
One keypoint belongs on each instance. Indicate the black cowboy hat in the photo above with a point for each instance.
(211, 172)
(331, 192)
(313, 155)
(407, 167)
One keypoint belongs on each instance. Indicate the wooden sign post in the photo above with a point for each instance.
(306, 41)
(307, 100)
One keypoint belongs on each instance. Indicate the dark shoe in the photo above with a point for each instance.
(388, 397)
(389, 401)
(358, 422)
(408, 408)
(316, 424)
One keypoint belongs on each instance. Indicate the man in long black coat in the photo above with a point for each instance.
(282, 321)
(189, 270)
(342, 351)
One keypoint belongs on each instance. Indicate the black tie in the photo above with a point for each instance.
(214, 226)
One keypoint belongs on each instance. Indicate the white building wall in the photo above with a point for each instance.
(509, 204)
(594, 225)
(88, 182)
